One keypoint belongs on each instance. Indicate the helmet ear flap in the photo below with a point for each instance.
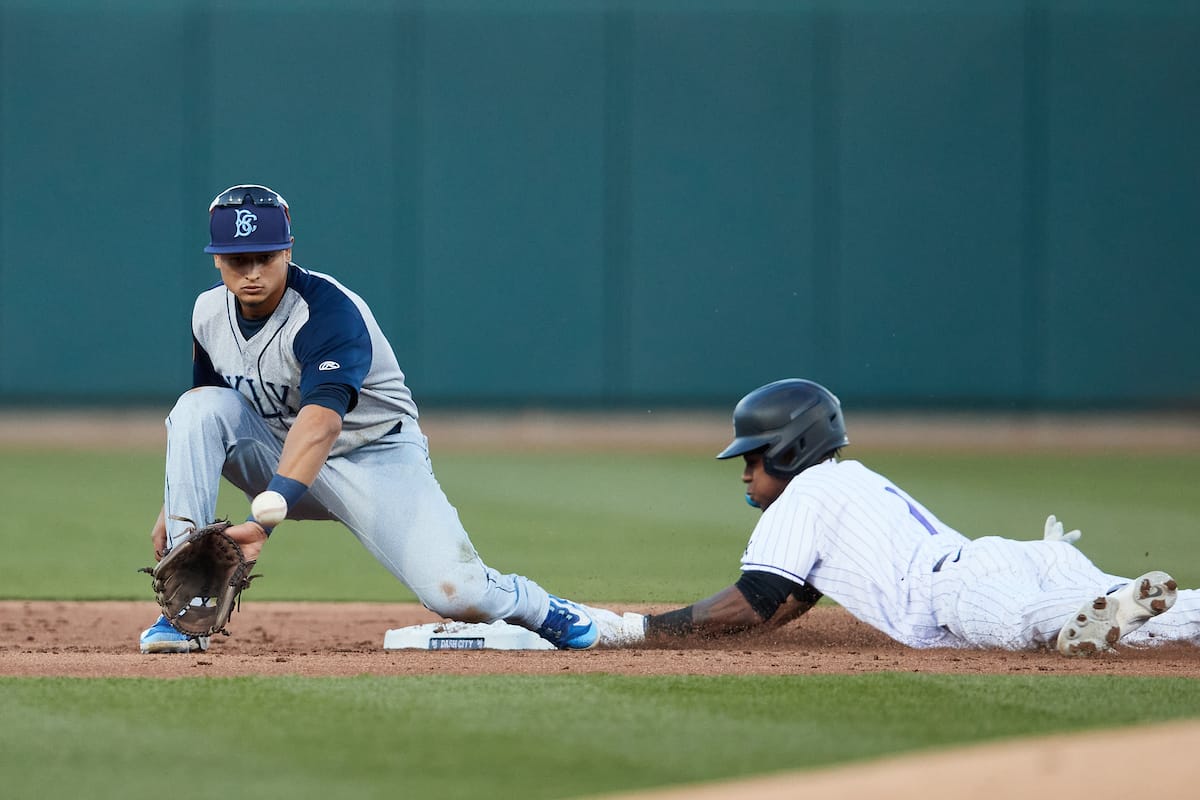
(787, 462)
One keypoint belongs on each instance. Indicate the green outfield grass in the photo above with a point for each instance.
(601, 527)
(527, 737)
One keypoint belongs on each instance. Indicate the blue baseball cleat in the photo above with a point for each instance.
(161, 637)
(568, 627)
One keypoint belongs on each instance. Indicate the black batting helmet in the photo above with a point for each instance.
(796, 421)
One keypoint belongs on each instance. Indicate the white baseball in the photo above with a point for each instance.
(269, 508)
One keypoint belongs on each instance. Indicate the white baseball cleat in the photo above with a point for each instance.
(1101, 623)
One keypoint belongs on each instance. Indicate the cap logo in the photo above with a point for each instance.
(244, 223)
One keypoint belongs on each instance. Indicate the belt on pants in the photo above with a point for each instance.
(395, 428)
(942, 561)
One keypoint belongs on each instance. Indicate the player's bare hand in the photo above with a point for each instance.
(1054, 532)
(250, 536)
(158, 537)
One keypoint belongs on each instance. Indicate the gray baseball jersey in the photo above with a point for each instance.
(321, 332)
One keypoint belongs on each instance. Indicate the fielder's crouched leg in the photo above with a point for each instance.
(514, 599)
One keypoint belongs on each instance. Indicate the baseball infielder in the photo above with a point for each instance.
(834, 527)
(299, 401)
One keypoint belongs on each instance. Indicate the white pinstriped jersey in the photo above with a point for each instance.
(863, 542)
(320, 332)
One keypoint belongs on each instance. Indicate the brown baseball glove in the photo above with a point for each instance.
(199, 581)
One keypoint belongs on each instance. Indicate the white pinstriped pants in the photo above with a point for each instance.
(1018, 595)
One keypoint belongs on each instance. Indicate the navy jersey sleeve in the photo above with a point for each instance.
(203, 373)
(334, 346)
(336, 397)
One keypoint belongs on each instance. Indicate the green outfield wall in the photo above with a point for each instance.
(989, 204)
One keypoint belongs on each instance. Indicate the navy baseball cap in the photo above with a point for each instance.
(248, 219)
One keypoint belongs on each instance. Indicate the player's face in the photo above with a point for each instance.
(258, 280)
(762, 489)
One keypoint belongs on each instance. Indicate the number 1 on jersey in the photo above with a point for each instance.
(915, 512)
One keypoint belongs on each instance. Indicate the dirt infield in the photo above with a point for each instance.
(317, 639)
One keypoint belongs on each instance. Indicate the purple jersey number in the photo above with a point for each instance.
(916, 513)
